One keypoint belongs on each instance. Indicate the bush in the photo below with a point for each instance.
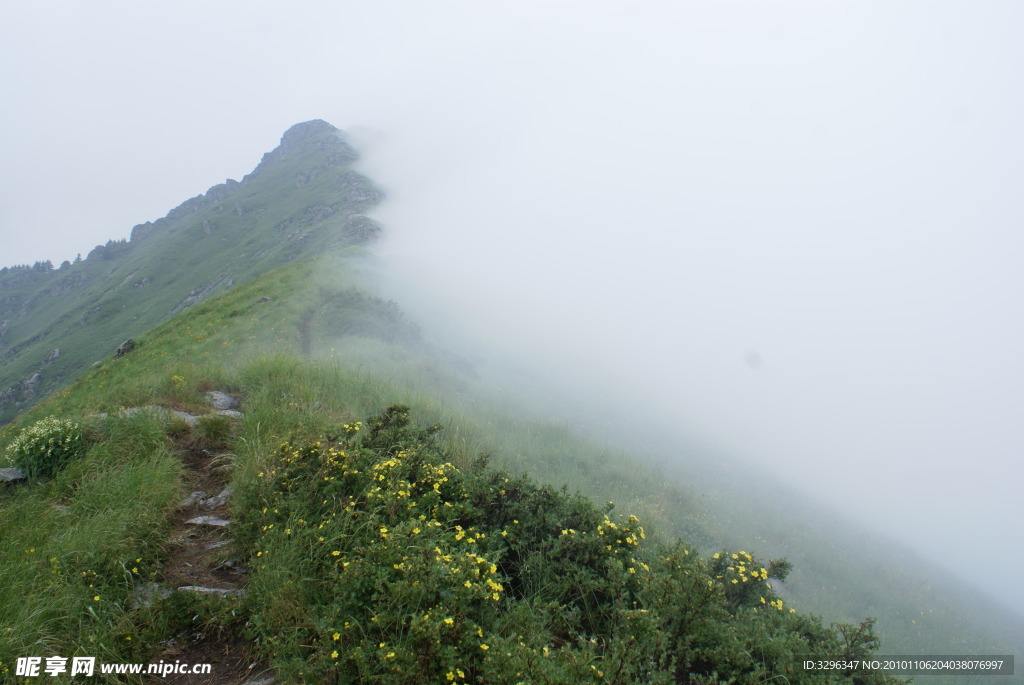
(374, 558)
(46, 446)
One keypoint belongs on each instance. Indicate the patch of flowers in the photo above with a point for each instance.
(374, 557)
(46, 446)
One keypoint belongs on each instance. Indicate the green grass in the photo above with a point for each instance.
(303, 372)
(72, 548)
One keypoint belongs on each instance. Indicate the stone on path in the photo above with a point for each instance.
(223, 592)
(208, 521)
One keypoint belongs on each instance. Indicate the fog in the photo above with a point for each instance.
(789, 229)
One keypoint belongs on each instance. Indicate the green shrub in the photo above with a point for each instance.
(374, 557)
(46, 446)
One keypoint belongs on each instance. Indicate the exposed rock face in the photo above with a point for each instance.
(52, 357)
(338, 151)
(29, 386)
(67, 284)
(141, 231)
(199, 294)
(124, 348)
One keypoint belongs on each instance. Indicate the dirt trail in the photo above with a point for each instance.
(200, 561)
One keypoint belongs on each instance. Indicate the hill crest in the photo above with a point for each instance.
(302, 199)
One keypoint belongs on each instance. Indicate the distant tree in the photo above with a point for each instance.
(78, 258)
(65, 264)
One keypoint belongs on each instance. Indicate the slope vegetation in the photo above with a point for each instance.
(221, 296)
(304, 198)
(373, 547)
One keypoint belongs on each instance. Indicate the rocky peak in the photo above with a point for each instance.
(307, 129)
(297, 137)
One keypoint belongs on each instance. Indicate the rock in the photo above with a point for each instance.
(211, 503)
(192, 499)
(11, 475)
(8, 397)
(233, 566)
(218, 544)
(140, 231)
(191, 419)
(209, 521)
(155, 409)
(52, 357)
(230, 413)
(223, 592)
(29, 386)
(146, 594)
(219, 400)
(262, 300)
(124, 348)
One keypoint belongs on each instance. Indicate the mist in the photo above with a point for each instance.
(791, 231)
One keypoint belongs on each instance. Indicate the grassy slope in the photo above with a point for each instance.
(368, 357)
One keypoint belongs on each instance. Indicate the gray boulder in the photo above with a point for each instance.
(219, 400)
(11, 475)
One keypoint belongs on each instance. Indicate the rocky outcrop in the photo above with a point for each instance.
(338, 150)
(199, 294)
(360, 229)
(358, 192)
(216, 399)
(68, 283)
(219, 400)
(124, 348)
(30, 385)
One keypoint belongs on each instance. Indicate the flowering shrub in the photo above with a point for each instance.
(46, 446)
(374, 558)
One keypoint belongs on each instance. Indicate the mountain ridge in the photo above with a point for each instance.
(303, 198)
(263, 293)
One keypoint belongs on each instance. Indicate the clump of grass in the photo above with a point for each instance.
(213, 432)
(72, 549)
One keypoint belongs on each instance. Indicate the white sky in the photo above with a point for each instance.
(661, 191)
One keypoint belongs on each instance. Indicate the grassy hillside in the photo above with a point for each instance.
(224, 294)
(304, 198)
(310, 353)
